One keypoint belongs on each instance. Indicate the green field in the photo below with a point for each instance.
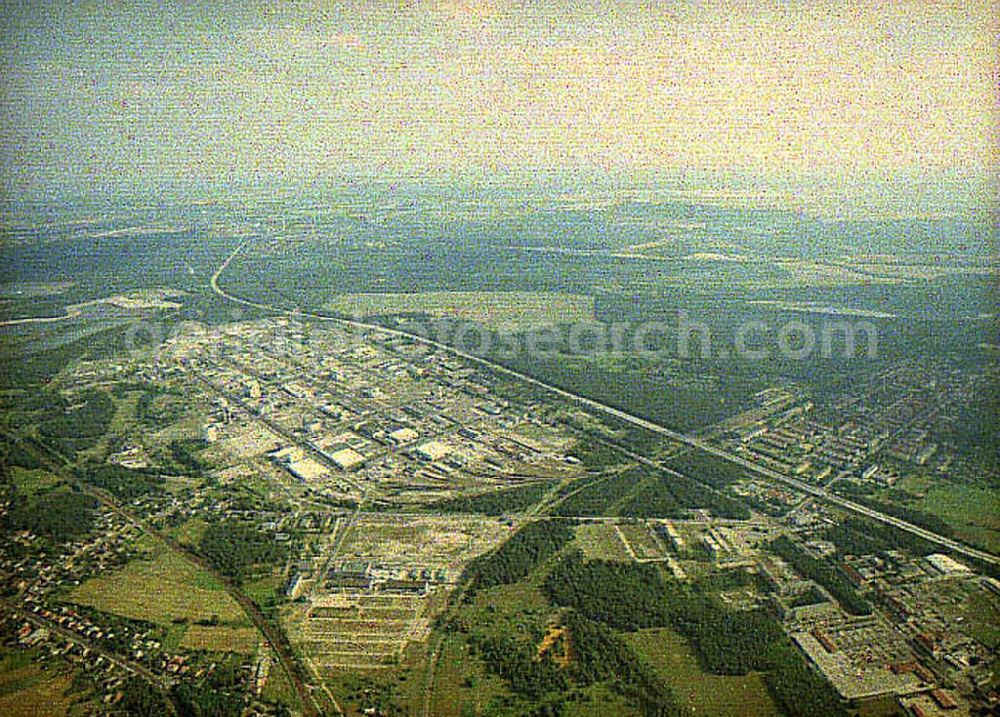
(982, 614)
(973, 512)
(159, 587)
(704, 694)
(189, 532)
(499, 310)
(30, 482)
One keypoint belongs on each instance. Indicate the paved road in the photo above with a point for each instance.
(602, 408)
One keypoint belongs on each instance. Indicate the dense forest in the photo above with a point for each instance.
(626, 596)
(121, 482)
(598, 496)
(72, 425)
(517, 557)
(630, 596)
(236, 548)
(706, 468)
(60, 515)
(857, 536)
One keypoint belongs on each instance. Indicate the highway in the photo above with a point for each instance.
(602, 408)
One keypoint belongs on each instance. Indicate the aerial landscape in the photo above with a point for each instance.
(493, 358)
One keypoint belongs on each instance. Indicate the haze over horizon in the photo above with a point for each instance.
(862, 99)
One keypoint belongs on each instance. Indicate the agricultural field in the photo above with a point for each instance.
(221, 639)
(26, 690)
(504, 311)
(159, 587)
(358, 631)
(704, 693)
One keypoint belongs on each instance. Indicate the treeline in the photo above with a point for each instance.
(498, 502)
(518, 556)
(827, 575)
(60, 515)
(235, 548)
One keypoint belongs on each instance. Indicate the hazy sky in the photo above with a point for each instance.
(224, 91)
